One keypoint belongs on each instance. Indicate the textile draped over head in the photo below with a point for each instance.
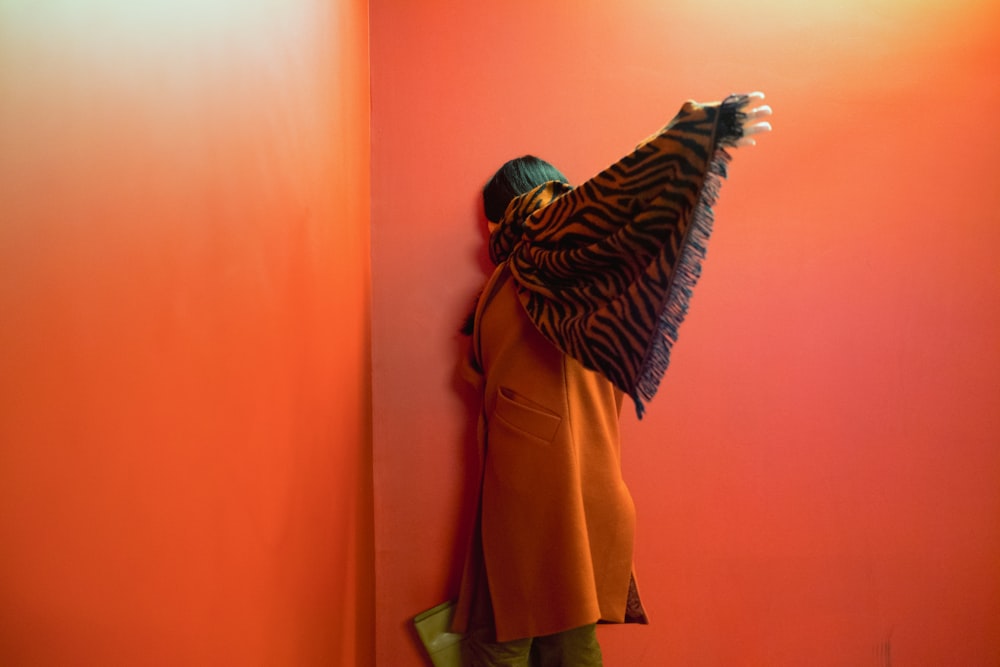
(605, 270)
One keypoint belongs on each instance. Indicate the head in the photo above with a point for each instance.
(514, 178)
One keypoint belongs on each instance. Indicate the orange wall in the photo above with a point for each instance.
(184, 376)
(818, 481)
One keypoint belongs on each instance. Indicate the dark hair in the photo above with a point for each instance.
(514, 178)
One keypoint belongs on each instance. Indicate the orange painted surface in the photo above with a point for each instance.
(818, 481)
(184, 377)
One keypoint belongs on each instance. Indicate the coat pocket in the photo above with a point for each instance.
(526, 416)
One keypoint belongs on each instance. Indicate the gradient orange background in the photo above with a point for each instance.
(230, 282)
(184, 349)
(818, 481)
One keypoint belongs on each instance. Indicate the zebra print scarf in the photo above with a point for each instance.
(605, 270)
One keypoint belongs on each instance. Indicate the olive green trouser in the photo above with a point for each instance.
(572, 648)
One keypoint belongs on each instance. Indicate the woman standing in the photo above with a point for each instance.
(583, 308)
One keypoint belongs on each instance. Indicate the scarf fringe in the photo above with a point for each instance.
(686, 276)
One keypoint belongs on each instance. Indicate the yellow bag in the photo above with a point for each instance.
(434, 627)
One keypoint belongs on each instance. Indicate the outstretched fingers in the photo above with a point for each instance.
(755, 119)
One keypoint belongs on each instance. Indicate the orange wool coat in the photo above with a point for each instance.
(603, 272)
(556, 520)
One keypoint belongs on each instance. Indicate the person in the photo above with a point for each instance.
(582, 309)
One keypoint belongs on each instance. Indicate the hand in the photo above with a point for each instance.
(756, 120)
